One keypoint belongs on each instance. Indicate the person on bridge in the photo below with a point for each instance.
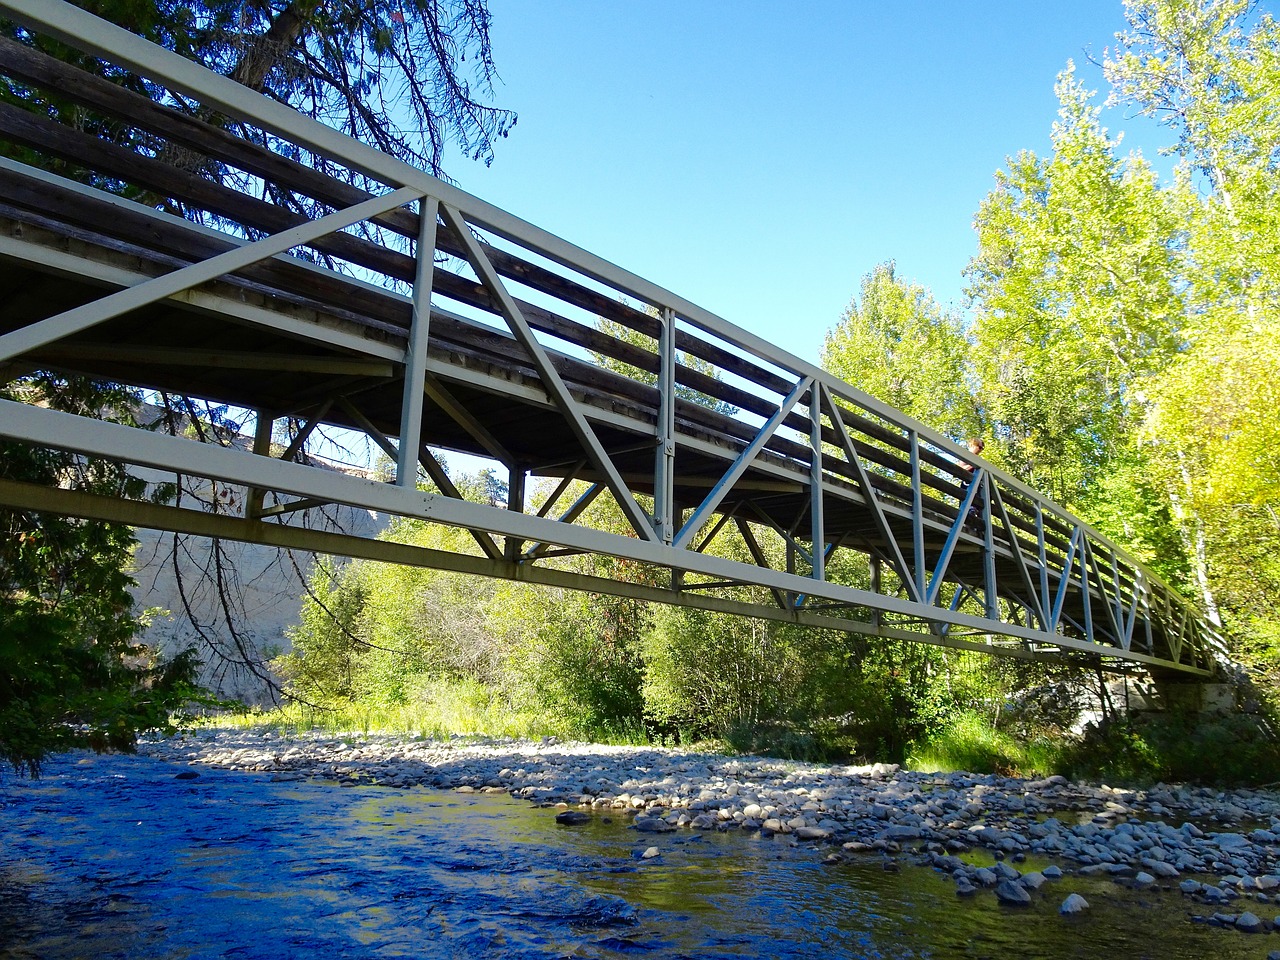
(974, 518)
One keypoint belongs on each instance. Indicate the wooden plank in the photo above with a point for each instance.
(173, 244)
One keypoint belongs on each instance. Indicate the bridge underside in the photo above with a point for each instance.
(741, 478)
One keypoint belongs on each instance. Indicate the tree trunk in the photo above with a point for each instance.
(269, 49)
(1191, 528)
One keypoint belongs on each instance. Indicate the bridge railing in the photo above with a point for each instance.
(396, 284)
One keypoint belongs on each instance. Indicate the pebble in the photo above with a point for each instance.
(1249, 923)
(1074, 904)
(1007, 891)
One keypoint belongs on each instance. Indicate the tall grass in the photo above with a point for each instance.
(969, 742)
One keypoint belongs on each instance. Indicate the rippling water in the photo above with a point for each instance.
(111, 857)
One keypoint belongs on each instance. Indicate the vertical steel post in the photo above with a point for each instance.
(989, 551)
(816, 528)
(515, 503)
(664, 463)
(917, 513)
(415, 360)
(1045, 611)
(254, 497)
(792, 596)
(875, 588)
(1085, 598)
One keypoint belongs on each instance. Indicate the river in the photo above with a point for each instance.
(120, 857)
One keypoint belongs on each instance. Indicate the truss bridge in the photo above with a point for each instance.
(204, 241)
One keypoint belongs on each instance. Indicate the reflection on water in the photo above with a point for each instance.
(114, 857)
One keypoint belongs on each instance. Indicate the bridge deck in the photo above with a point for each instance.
(537, 355)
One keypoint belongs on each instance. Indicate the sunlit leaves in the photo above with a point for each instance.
(1076, 297)
(71, 673)
(898, 344)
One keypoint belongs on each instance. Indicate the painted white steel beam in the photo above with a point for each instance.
(415, 360)
(24, 496)
(30, 424)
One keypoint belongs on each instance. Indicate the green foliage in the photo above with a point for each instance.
(1077, 301)
(766, 687)
(1209, 70)
(71, 673)
(577, 656)
(707, 673)
(407, 77)
(1130, 504)
(897, 344)
(59, 692)
(440, 710)
(321, 664)
(1177, 747)
(969, 742)
(390, 636)
(1128, 332)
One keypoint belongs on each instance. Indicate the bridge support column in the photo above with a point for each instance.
(816, 523)
(415, 361)
(1178, 694)
(919, 568)
(515, 503)
(875, 588)
(989, 552)
(255, 497)
(664, 469)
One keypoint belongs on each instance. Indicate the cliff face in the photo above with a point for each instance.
(233, 601)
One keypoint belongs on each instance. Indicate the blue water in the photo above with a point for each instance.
(108, 857)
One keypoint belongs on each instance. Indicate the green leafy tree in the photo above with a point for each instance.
(754, 683)
(409, 77)
(576, 656)
(1209, 70)
(1076, 293)
(71, 671)
(382, 634)
(898, 344)
(320, 667)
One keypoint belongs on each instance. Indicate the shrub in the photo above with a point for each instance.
(969, 742)
(1177, 746)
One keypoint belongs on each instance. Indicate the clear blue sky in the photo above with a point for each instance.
(760, 158)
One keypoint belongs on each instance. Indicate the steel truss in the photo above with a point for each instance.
(429, 320)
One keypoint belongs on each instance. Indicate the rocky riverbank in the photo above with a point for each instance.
(1220, 850)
